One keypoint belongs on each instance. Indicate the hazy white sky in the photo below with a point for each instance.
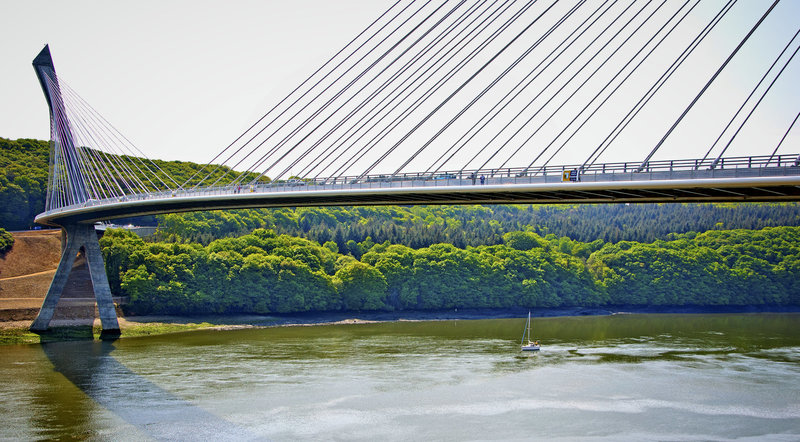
(180, 78)
(183, 78)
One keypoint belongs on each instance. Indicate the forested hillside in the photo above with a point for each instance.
(23, 181)
(24, 167)
(264, 272)
(462, 226)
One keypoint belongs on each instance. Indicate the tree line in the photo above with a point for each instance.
(475, 225)
(265, 272)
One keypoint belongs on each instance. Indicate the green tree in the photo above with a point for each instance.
(6, 241)
(362, 287)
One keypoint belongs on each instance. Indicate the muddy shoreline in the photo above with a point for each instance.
(318, 318)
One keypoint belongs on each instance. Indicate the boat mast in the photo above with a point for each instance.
(525, 330)
(529, 326)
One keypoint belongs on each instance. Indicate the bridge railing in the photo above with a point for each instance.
(662, 170)
(442, 177)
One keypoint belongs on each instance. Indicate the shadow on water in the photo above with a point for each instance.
(72, 333)
(153, 411)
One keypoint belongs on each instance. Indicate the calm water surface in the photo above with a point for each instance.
(642, 377)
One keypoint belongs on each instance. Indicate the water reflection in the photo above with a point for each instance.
(151, 410)
(615, 377)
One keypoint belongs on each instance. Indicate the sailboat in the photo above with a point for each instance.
(526, 334)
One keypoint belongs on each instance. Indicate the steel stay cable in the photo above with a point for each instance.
(51, 173)
(50, 169)
(530, 79)
(433, 89)
(340, 93)
(319, 94)
(298, 88)
(270, 152)
(103, 187)
(75, 172)
(492, 84)
(605, 100)
(109, 161)
(118, 150)
(441, 82)
(63, 189)
(116, 154)
(702, 91)
(55, 172)
(661, 81)
(746, 100)
(72, 171)
(568, 81)
(85, 127)
(591, 76)
(425, 119)
(133, 151)
(76, 110)
(380, 89)
(756, 105)
(100, 172)
(393, 95)
(87, 172)
(796, 161)
(57, 168)
(374, 113)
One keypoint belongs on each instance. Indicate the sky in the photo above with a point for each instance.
(181, 79)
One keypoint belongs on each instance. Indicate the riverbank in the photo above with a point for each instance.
(16, 332)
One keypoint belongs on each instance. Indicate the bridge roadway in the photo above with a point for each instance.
(733, 179)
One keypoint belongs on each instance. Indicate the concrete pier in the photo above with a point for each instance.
(80, 237)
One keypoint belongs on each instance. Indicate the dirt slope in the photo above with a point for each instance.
(33, 252)
(26, 272)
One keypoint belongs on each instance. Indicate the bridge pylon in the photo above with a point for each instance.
(67, 185)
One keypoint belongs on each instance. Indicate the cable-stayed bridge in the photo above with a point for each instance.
(480, 101)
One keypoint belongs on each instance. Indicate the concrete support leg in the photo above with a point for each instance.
(80, 235)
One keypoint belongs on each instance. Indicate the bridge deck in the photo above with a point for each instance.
(617, 183)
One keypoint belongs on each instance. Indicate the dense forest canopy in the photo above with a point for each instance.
(462, 226)
(264, 272)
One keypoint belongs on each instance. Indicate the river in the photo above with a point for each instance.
(640, 377)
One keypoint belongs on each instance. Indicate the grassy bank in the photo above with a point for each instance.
(20, 334)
